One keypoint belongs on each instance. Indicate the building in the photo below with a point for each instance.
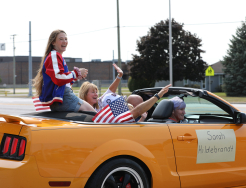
(216, 81)
(97, 70)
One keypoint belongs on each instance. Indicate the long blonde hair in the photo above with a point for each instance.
(84, 89)
(38, 80)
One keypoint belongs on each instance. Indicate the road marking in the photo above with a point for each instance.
(16, 104)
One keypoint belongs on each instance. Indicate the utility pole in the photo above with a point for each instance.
(170, 47)
(30, 61)
(118, 30)
(13, 63)
(113, 68)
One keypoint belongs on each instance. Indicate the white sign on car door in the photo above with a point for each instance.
(216, 145)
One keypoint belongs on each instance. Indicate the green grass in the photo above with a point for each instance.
(231, 99)
(220, 94)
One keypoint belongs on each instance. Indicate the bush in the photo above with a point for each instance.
(193, 86)
(220, 88)
(130, 84)
(223, 87)
(134, 84)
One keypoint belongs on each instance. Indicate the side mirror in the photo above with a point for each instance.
(241, 118)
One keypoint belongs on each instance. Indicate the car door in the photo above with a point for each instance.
(209, 154)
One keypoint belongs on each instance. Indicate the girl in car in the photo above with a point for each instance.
(53, 80)
(89, 91)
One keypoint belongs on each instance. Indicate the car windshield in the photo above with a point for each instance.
(197, 105)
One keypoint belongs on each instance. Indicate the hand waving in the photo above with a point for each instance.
(164, 90)
(118, 69)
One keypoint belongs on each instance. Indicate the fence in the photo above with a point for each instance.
(104, 83)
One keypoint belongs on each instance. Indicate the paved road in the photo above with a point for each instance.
(17, 106)
(241, 107)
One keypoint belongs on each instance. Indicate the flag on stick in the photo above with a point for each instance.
(38, 105)
(115, 112)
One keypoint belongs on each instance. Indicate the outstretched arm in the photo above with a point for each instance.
(146, 105)
(114, 85)
(143, 117)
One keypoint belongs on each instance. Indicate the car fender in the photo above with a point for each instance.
(118, 147)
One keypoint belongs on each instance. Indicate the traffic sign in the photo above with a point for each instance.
(209, 71)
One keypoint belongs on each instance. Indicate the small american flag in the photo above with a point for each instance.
(115, 112)
(38, 105)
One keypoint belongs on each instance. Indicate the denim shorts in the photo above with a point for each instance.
(71, 102)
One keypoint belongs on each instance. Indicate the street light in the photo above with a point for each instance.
(118, 31)
(30, 61)
(14, 63)
(170, 47)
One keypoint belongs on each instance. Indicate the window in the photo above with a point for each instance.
(67, 60)
(197, 105)
(78, 59)
(186, 82)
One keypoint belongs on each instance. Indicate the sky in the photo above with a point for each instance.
(91, 25)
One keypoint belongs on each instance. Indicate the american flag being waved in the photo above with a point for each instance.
(115, 112)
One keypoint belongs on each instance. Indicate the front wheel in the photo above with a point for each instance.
(119, 173)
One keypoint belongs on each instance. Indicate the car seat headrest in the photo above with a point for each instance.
(163, 110)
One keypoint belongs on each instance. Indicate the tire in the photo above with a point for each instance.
(119, 173)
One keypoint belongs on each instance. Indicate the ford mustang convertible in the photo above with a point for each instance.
(67, 149)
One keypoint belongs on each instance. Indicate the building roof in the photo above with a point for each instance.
(218, 67)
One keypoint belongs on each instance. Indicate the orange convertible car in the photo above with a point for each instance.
(66, 149)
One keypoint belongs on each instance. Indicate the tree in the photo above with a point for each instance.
(153, 62)
(235, 64)
(134, 84)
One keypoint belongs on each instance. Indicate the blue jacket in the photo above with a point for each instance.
(55, 77)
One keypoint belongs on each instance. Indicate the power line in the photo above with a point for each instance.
(185, 24)
(70, 35)
(93, 31)
(214, 23)
(130, 27)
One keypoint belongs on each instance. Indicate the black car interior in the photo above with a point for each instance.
(85, 116)
(160, 112)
